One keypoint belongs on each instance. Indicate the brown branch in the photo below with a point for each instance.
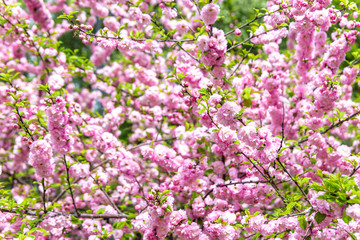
(143, 193)
(149, 143)
(243, 182)
(340, 122)
(188, 53)
(354, 171)
(54, 214)
(253, 20)
(270, 180)
(351, 65)
(76, 181)
(242, 60)
(135, 39)
(281, 164)
(282, 129)
(333, 126)
(69, 184)
(107, 196)
(23, 124)
(44, 194)
(242, 122)
(249, 38)
(291, 177)
(307, 231)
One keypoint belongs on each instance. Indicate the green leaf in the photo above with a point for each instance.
(202, 110)
(165, 192)
(193, 196)
(100, 211)
(209, 171)
(319, 217)
(168, 208)
(354, 200)
(75, 220)
(38, 229)
(346, 218)
(119, 225)
(13, 219)
(128, 102)
(43, 77)
(131, 215)
(9, 104)
(128, 224)
(204, 91)
(352, 236)
(329, 150)
(302, 221)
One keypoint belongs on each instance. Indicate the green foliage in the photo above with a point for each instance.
(75, 44)
(319, 217)
(126, 130)
(68, 17)
(338, 188)
(246, 96)
(302, 221)
(237, 12)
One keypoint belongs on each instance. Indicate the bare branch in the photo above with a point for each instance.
(333, 126)
(242, 60)
(69, 186)
(149, 143)
(54, 214)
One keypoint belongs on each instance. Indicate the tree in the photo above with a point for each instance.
(145, 119)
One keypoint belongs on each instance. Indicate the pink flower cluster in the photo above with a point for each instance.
(209, 13)
(40, 158)
(171, 133)
(214, 48)
(59, 128)
(40, 13)
(227, 113)
(164, 156)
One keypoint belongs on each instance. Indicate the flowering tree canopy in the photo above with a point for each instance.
(161, 123)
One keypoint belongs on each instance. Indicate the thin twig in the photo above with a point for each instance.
(282, 129)
(143, 193)
(333, 126)
(149, 143)
(243, 182)
(293, 179)
(354, 171)
(54, 214)
(281, 164)
(307, 231)
(242, 60)
(136, 39)
(107, 196)
(76, 181)
(249, 38)
(253, 20)
(44, 194)
(352, 64)
(69, 184)
(188, 53)
(270, 180)
(339, 123)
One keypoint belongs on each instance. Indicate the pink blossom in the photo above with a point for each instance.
(40, 13)
(209, 13)
(41, 158)
(353, 211)
(182, 27)
(227, 113)
(58, 120)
